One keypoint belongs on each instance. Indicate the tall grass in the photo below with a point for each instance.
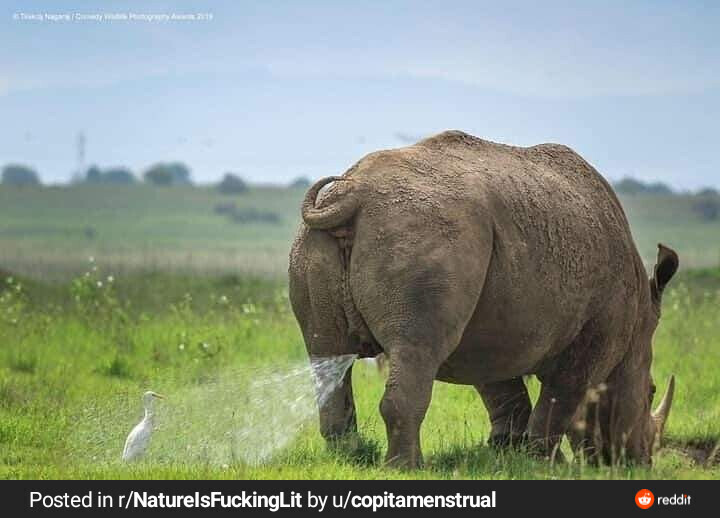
(76, 356)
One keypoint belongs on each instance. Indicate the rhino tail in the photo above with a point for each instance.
(332, 215)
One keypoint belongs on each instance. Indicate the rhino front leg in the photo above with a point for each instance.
(508, 405)
(551, 417)
(407, 396)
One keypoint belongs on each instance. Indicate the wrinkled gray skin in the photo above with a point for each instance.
(476, 263)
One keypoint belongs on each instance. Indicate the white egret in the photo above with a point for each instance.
(139, 438)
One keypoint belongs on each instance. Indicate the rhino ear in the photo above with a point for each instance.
(666, 266)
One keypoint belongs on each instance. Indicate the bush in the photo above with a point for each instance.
(707, 207)
(251, 215)
(708, 191)
(117, 367)
(164, 174)
(4, 275)
(225, 208)
(16, 174)
(232, 184)
(246, 215)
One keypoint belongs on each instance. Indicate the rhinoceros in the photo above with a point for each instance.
(478, 263)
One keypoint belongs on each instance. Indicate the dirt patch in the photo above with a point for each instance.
(703, 451)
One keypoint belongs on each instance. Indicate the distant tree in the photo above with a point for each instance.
(659, 188)
(16, 174)
(708, 191)
(113, 176)
(632, 186)
(174, 173)
(119, 176)
(629, 186)
(158, 176)
(232, 184)
(180, 173)
(93, 175)
(300, 182)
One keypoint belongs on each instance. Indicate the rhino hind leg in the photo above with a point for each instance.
(338, 418)
(417, 306)
(508, 405)
(408, 391)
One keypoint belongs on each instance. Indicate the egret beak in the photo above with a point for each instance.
(159, 396)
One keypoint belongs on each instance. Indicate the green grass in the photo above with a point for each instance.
(75, 358)
(197, 309)
(45, 232)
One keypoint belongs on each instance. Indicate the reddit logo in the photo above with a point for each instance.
(644, 498)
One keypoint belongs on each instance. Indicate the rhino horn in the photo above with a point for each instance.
(661, 413)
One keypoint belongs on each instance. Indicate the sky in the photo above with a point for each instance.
(273, 90)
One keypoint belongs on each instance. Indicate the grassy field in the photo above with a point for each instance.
(50, 232)
(76, 357)
(180, 300)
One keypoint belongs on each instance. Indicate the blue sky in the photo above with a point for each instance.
(272, 90)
